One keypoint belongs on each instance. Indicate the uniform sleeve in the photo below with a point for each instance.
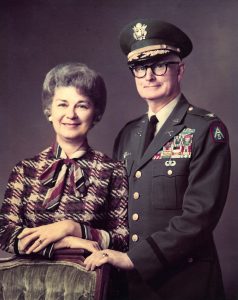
(203, 202)
(116, 234)
(12, 213)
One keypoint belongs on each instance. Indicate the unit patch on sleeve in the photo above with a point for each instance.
(218, 132)
(179, 147)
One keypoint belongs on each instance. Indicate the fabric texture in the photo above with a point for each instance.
(28, 279)
(101, 208)
(57, 174)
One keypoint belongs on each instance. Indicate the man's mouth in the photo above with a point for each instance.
(151, 86)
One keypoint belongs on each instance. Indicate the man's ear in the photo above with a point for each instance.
(181, 70)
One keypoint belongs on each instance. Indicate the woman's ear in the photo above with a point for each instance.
(97, 119)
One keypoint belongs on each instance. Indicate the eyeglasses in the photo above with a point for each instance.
(158, 69)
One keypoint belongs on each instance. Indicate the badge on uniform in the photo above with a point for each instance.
(179, 147)
(218, 132)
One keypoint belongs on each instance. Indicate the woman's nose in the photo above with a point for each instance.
(70, 113)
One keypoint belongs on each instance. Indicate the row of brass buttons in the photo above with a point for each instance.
(138, 174)
(135, 216)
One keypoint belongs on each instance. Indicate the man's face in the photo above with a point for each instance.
(161, 88)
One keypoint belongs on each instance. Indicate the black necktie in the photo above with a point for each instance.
(150, 132)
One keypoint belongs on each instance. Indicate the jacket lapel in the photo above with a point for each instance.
(133, 153)
(171, 128)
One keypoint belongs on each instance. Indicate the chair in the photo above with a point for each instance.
(63, 278)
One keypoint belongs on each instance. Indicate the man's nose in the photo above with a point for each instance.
(149, 74)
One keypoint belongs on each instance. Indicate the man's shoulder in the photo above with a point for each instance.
(201, 113)
(134, 123)
(203, 120)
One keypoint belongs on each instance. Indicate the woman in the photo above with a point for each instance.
(69, 195)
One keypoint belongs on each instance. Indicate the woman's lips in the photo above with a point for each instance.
(71, 124)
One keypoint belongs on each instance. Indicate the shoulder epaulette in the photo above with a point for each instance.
(197, 111)
(135, 120)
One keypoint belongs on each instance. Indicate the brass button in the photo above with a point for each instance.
(135, 217)
(135, 238)
(170, 172)
(138, 174)
(136, 195)
(190, 260)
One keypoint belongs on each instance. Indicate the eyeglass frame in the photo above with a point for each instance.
(152, 66)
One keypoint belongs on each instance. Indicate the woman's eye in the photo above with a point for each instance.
(82, 105)
(62, 105)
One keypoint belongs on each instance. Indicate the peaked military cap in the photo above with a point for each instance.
(145, 39)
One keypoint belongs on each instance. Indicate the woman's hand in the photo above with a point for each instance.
(77, 243)
(37, 238)
(115, 258)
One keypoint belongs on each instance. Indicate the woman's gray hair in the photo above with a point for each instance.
(77, 75)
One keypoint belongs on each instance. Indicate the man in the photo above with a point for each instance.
(178, 182)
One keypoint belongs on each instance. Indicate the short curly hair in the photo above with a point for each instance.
(77, 75)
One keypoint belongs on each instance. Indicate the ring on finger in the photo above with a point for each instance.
(104, 254)
(39, 241)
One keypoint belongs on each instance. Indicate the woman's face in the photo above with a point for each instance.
(72, 114)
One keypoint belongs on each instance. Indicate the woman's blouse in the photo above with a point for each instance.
(101, 209)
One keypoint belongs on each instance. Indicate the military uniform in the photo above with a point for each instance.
(178, 186)
(177, 191)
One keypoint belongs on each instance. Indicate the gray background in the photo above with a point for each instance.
(37, 35)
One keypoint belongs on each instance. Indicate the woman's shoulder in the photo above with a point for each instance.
(44, 154)
(105, 159)
(39, 159)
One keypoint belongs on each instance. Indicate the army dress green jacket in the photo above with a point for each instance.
(177, 191)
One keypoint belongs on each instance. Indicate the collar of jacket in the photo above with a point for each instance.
(172, 126)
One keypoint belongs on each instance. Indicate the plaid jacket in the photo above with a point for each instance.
(103, 208)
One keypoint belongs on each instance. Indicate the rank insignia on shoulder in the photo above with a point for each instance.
(218, 132)
(210, 115)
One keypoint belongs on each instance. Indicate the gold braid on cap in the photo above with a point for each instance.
(150, 51)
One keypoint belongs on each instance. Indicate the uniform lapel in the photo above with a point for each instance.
(133, 153)
(139, 137)
(172, 127)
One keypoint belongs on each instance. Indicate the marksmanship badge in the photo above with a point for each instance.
(139, 31)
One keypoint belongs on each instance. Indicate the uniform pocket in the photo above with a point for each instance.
(169, 182)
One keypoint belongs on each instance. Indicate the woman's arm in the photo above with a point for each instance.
(11, 213)
(14, 236)
(37, 238)
(73, 242)
(115, 234)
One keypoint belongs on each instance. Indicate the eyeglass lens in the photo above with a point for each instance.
(158, 69)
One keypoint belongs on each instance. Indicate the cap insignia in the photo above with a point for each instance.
(139, 31)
